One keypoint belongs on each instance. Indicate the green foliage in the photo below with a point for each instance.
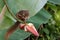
(57, 17)
(1, 3)
(41, 19)
(55, 1)
(32, 6)
(38, 15)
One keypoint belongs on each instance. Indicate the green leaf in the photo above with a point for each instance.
(57, 17)
(2, 33)
(1, 3)
(55, 1)
(33, 6)
(6, 23)
(46, 31)
(52, 6)
(17, 35)
(41, 17)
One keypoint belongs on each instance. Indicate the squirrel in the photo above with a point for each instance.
(22, 15)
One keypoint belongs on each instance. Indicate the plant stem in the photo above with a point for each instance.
(2, 13)
(4, 10)
(12, 12)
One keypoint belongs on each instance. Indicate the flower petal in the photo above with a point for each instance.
(32, 29)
